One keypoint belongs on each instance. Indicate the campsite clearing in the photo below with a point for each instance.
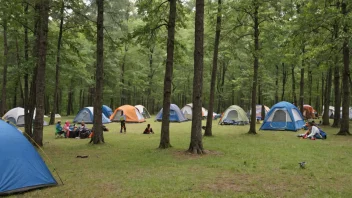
(237, 164)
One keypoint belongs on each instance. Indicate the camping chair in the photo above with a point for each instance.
(59, 134)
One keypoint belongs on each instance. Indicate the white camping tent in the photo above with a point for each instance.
(16, 116)
(187, 111)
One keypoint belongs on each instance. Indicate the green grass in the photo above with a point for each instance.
(237, 164)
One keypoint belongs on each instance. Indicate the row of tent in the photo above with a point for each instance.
(136, 114)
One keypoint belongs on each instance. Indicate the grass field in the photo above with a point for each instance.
(236, 165)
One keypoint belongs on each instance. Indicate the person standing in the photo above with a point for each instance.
(123, 122)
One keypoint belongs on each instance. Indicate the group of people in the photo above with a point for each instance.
(69, 131)
(313, 132)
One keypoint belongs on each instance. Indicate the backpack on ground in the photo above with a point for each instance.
(322, 133)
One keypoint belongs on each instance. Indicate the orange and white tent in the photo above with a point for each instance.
(308, 112)
(132, 114)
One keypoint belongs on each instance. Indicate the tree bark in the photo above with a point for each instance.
(294, 97)
(327, 97)
(42, 35)
(165, 125)
(70, 100)
(284, 80)
(57, 71)
(344, 128)
(196, 144)
(18, 82)
(337, 90)
(98, 136)
(277, 84)
(301, 89)
(252, 128)
(29, 91)
(4, 75)
(208, 129)
(123, 91)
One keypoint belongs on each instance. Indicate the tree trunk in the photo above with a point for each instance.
(196, 144)
(327, 97)
(42, 35)
(208, 129)
(310, 83)
(344, 128)
(18, 82)
(98, 136)
(277, 85)
(322, 88)
(294, 97)
(123, 88)
(70, 100)
(57, 72)
(317, 98)
(29, 92)
(284, 80)
(337, 90)
(252, 128)
(165, 128)
(301, 89)
(81, 102)
(4, 74)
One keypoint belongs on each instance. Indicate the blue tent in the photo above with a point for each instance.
(175, 114)
(21, 167)
(283, 116)
(107, 111)
(87, 115)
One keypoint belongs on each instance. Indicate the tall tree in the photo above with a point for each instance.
(301, 83)
(57, 72)
(98, 136)
(337, 90)
(208, 129)
(29, 91)
(294, 97)
(165, 125)
(42, 8)
(252, 129)
(345, 125)
(4, 77)
(327, 96)
(196, 144)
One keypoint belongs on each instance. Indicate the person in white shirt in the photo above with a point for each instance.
(313, 131)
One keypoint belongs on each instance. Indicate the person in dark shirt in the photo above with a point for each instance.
(148, 130)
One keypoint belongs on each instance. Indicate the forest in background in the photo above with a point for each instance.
(301, 45)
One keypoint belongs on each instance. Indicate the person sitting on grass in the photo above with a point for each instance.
(148, 130)
(314, 131)
(59, 130)
(67, 128)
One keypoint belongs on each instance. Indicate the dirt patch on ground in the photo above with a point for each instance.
(182, 154)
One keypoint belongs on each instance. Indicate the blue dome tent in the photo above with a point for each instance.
(86, 115)
(107, 111)
(21, 167)
(283, 116)
(175, 114)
